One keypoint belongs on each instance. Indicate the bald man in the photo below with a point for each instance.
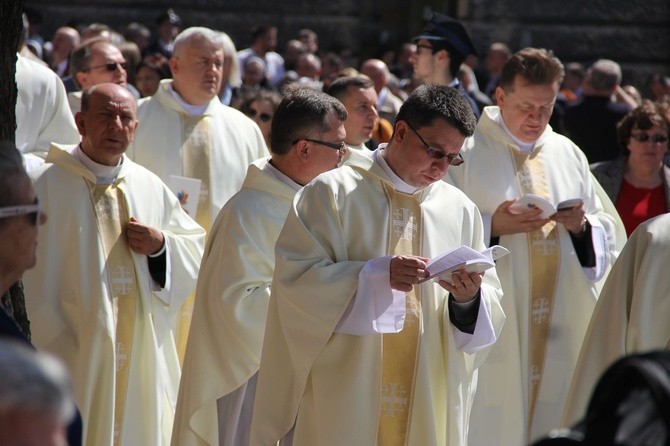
(132, 259)
(388, 104)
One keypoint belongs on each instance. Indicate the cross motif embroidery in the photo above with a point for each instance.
(122, 280)
(526, 178)
(411, 314)
(548, 245)
(394, 399)
(121, 356)
(107, 211)
(534, 375)
(404, 224)
(540, 310)
(204, 194)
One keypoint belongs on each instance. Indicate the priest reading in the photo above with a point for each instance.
(355, 351)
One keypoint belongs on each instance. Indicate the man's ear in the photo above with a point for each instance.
(302, 150)
(82, 79)
(174, 65)
(79, 121)
(400, 131)
(500, 97)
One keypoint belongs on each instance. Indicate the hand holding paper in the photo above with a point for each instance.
(463, 258)
(529, 202)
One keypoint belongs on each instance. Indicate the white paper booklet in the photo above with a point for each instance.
(530, 201)
(188, 191)
(463, 257)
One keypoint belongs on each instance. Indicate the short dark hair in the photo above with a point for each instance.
(430, 102)
(260, 30)
(243, 104)
(537, 66)
(302, 113)
(339, 88)
(643, 117)
(80, 58)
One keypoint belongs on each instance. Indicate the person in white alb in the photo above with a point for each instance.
(554, 271)
(356, 351)
(117, 257)
(224, 346)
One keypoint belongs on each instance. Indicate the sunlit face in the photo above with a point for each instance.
(18, 234)
(197, 70)
(147, 81)
(102, 55)
(109, 124)
(361, 105)
(526, 108)
(423, 60)
(324, 158)
(407, 155)
(648, 153)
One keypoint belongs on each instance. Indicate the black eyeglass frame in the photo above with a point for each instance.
(341, 147)
(644, 137)
(110, 66)
(438, 154)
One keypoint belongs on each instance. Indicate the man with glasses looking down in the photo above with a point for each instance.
(356, 351)
(556, 264)
(224, 346)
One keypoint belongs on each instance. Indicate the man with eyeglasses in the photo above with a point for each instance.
(556, 265)
(224, 346)
(185, 131)
(96, 61)
(441, 48)
(117, 259)
(356, 351)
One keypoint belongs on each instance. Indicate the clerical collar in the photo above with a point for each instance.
(524, 147)
(103, 174)
(398, 183)
(360, 147)
(280, 176)
(193, 110)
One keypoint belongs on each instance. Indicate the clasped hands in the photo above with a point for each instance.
(406, 271)
(144, 239)
(504, 221)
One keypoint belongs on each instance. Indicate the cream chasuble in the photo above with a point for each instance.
(196, 161)
(112, 215)
(544, 255)
(400, 350)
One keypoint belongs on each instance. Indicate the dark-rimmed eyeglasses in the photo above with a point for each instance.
(644, 137)
(340, 147)
(110, 66)
(454, 160)
(265, 117)
(32, 210)
(425, 47)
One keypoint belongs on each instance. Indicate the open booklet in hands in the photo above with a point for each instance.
(530, 201)
(463, 257)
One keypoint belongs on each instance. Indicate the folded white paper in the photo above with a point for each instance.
(463, 257)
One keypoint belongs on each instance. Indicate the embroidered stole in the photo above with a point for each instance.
(400, 350)
(112, 217)
(196, 162)
(544, 263)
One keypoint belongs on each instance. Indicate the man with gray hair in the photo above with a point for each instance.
(591, 123)
(35, 399)
(185, 131)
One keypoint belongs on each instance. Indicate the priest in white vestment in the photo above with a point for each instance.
(356, 351)
(358, 95)
(117, 258)
(224, 347)
(42, 112)
(185, 131)
(632, 313)
(552, 276)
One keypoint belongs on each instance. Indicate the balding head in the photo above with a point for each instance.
(107, 122)
(377, 71)
(65, 40)
(603, 77)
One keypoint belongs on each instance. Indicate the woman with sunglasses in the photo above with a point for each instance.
(638, 182)
(260, 106)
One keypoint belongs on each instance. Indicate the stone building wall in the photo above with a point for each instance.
(634, 33)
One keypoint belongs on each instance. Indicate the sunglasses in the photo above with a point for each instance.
(454, 160)
(263, 116)
(32, 210)
(644, 137)
(340, 147)
(110, 66)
